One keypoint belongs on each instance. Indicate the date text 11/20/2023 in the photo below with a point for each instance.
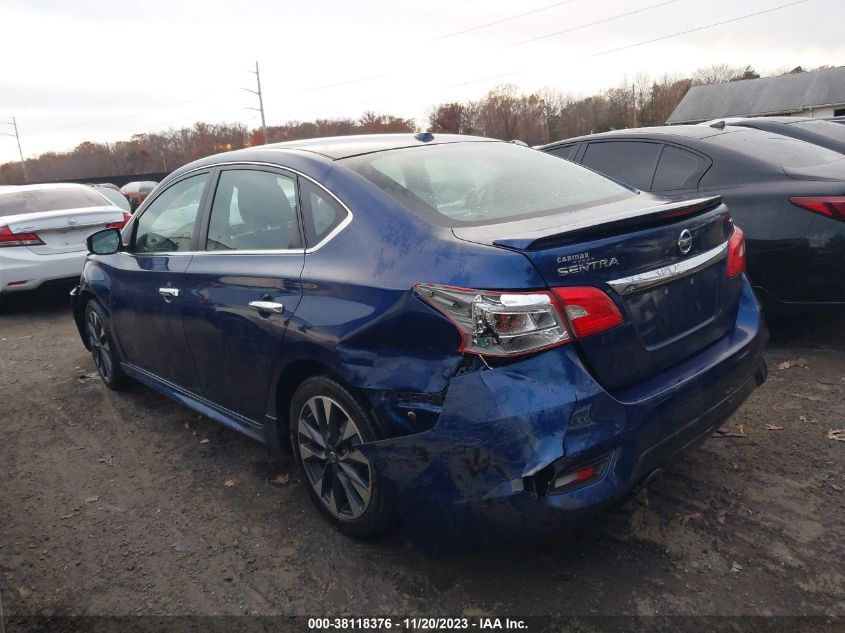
(417, 624)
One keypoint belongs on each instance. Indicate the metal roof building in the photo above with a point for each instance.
(820, 93)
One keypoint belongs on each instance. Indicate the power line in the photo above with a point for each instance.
(478, 81)
(588, 24)
(343, 83)
(478, 27)
(643, 43)
(501, 21)
(128, 116)
(699, 28)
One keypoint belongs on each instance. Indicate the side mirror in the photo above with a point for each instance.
(105, 242)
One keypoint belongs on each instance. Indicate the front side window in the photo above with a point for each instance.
(167, 224)
(629, 161)
(321, 213)
(481, 183)
(253, 210)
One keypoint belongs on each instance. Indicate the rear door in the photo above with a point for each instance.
(148, 288)
(242, 288)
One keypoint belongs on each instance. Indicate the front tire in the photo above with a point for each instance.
(102, 347)
(326, 423)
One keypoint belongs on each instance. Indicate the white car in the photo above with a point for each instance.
(43, 230)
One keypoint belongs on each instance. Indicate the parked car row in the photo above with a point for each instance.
(469, 334)
(783, 180)
(43, 230)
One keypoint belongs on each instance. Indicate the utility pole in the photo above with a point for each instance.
(14, 124)
(260, 107)
(634, 101)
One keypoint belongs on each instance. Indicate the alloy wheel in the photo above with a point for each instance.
(339, 474)
(99, 344)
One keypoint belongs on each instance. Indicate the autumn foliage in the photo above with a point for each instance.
(506, 113)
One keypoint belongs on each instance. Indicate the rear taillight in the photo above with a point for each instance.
(119, 225)
(736, 253)
(589, 310)
(8, 238)
(494, 323)
(831, 206)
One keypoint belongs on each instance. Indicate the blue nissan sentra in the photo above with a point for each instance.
(467, 334)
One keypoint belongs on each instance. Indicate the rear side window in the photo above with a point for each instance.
(773, 148)
(167, 225)
(629, 161)
(480, 183)
(678, 169)
(253, 211)
(567, 151)
(38, 200)
(321, 213)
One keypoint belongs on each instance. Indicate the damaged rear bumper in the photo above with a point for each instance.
(488, 468)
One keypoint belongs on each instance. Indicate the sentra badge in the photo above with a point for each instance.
(583, 263)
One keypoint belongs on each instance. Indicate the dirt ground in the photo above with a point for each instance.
(121, 504)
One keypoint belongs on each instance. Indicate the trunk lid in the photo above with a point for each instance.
(63, 230)
(674, 303)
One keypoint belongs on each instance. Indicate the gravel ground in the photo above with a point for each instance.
(121, 504)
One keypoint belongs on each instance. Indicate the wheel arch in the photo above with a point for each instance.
(289, 380)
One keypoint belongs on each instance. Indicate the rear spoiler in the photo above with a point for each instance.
(576, 226)
(830, 172)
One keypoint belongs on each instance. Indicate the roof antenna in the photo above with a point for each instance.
(719, 125)
(425, 137)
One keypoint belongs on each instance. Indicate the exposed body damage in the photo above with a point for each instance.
(474, 475)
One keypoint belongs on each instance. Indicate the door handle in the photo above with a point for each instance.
(267, 306)
(168, 293)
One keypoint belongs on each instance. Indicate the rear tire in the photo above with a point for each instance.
(102, 347)
(326, 422)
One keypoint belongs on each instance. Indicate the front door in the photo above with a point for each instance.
(243, 287)
(147, 288)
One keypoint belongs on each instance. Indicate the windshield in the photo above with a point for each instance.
(478, 183)
(37, 200)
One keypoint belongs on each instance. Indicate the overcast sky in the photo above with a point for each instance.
(101, 71)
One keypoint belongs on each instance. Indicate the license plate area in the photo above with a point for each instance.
(670, 310)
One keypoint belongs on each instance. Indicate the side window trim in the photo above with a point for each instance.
(656, 165)
(202, 236)
(201, 212)
(205, 208)
(302, 219)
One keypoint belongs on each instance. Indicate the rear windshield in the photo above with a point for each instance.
(822, 128)
(478, 183)
(34, 201)
(773, 148)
